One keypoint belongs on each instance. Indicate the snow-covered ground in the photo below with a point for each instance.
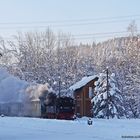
(13, 128)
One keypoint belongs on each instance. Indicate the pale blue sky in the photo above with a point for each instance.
(25, 11)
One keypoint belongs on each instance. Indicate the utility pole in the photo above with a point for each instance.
(107, 88)
(59, 82)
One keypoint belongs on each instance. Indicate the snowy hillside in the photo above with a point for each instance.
(44, 129)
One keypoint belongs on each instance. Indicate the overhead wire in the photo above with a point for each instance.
(72, 20)
(79, 22)
(61, 25)
(92, 35)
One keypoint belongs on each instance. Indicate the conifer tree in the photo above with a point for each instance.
(107, 104)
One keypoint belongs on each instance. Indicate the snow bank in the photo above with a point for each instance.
(45, 129)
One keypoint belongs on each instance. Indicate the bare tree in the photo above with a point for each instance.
(132, 28)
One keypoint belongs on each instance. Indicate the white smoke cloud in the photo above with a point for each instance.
(36, 91)
(12, 89)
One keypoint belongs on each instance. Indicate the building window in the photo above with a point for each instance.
(50, 109)
(78, 103)
(90, 92)
(78, 96)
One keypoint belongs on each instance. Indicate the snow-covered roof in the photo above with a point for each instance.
(82, 82)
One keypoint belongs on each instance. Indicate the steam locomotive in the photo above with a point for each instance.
(58, 107)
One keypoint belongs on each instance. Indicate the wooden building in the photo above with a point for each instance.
(32, 108)
(24, 109)
(83, 91)
(11, 108)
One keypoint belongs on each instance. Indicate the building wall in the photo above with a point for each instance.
(11, 109)
(78, 101)
(83, 101)
(32, 109)
(27, 109)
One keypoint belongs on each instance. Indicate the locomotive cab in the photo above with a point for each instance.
(65, 108)
(57, 107)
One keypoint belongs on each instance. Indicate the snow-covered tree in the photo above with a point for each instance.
(44, 56)
(107, 102)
